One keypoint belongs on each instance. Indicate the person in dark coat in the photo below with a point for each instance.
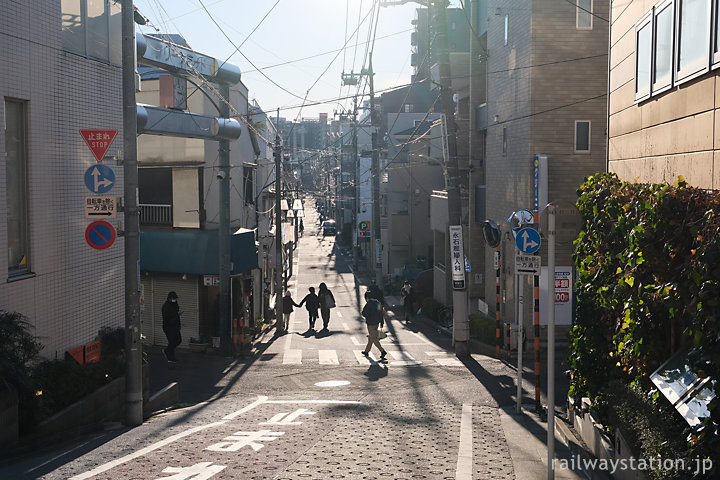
(171, 325)
(327, 301)
(287, 304)
(374, 318)
(312, 303)
(376, 293)
(408, 296)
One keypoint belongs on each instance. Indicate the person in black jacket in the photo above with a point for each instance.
(287, 308)
(374, 318)
(327, 301)
(171, 325)
(312, 303)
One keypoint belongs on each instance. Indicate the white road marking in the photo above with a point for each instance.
(362, 359)
(143, 451)
(399, 355)
(449, 362)
(338, 314)
(328, 357)
(436, 353)
(422, 338)
(464, 467)
(345, 326)
(355, 341)
(260, 400)
(292, 357)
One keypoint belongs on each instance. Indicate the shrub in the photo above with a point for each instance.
(482, 328)
(648, 262)
(430, 307)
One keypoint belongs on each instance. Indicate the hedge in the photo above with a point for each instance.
(648, 262)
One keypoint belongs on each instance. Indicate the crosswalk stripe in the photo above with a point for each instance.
(449, 362)
(400, 355)
(292, 357)
(328, 357)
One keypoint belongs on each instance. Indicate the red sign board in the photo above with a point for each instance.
(100, 235)
(99, 141)
(92, 352)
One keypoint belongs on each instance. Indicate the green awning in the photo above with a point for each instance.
(195, 251)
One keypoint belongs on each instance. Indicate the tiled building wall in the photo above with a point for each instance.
(75, 289)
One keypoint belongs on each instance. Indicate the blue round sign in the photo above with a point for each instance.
(528, 240)
(99, 178)
(100, 235)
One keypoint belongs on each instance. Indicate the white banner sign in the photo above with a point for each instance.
(457, 257)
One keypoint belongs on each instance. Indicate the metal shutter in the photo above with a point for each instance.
(188, 294)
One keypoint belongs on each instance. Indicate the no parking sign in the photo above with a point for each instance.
(100, 235)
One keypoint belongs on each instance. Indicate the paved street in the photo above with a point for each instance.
(308, 404)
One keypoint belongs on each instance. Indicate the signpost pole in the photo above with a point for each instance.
(133, 345)
(551, 343)
(521, 290)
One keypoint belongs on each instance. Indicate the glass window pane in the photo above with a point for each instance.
(584, 17)
(717, 28)
(73, 34)
(663, 50)
(16, 186)
(582, 136)
(693, 32)
(642, 61)
(115, 33)
(97, 29)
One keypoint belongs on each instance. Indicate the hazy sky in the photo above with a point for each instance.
(302, 46)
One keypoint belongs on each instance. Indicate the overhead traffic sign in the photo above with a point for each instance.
(528, 240)
(98, 141)
(99, 178)
(100, 235)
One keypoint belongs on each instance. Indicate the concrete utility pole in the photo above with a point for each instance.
(461, 324)
(224, 227)
(356, 190)
(375, 166)
(278, 225)
(133, 345)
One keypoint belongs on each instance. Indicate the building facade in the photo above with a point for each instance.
(61, 74)
(664, 86)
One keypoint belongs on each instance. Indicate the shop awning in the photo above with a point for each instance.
(195, 251)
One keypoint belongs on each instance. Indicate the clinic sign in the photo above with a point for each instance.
(457, 257)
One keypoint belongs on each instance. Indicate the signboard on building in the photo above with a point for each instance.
(211, 280)
(563, 296)
(457, 257)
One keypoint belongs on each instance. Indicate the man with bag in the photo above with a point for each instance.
(373, 313)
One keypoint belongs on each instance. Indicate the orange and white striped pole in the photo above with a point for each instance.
(497, 303)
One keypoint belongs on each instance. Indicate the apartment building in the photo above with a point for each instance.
(663, 109)
(64, 268)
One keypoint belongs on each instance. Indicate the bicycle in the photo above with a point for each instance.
(445, 317)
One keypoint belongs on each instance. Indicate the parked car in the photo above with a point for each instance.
(329, 228)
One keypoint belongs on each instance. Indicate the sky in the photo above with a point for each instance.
(292, 53)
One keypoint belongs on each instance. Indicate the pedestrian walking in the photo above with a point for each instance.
(408, 295)
(312, 303)
(171, 326)
(374, 318)
(302, 227)
(376, 292)
(287, 305)
(327, 301)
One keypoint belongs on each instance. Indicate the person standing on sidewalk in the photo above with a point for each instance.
(171, 326)
(327, 301)
(408, 296)
(287, 304)
(373, 313)
(312, 303)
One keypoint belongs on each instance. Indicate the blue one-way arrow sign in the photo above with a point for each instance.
(99, 178)
(528, 240)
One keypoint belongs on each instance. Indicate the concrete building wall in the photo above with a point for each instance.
(668, 135)
(73, 290)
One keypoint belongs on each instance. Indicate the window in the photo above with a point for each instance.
(249, 185)
(583, 16)
(693, 42)
(643, 57)
(93, 28)
(662, 55)
(16, 185)
(716, 35)
(507, 26)
(582, 136)
(504, 141)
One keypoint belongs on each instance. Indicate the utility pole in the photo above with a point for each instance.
(278, 225)
(461, 324)
(356, 189)
(377, 240)
(224, 227)
(133, 345)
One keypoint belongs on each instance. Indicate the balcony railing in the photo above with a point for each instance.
(154, 214)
